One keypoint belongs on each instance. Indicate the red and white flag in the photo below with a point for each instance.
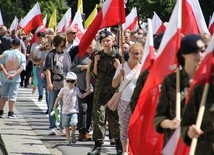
(77, 25)
(14, 24)
(1, 19)
(39, 29)
(65, 21)
(192, 18)
(157, 24)
(211, 24)
(112, 13)
(131, 20)
(141, 124)
(148, 54)
(32, 20)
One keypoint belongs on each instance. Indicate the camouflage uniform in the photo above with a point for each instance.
(167, 101)
(139, 86)
(205, 143)
(102, 94)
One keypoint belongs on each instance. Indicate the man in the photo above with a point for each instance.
(70, 37)
(5, 42)
(13, 62)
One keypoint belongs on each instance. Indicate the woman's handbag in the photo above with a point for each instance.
(113, 102)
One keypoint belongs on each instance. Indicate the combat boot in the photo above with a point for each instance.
(97, 148)
(119, 148)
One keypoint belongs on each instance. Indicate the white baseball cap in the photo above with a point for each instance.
(71, 76)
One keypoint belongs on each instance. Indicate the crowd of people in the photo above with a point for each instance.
(81, 86)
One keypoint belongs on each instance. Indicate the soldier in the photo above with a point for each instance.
(189, 55)
(189, 130)
(103, 67)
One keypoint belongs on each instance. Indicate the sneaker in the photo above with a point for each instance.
(73, 139)
(1, 113)
(33, 91)
(112, 141)
(40, 98)
(68, 142)
(52, 131)
(12, 115)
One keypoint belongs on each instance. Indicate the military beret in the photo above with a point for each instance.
(191, 43)
(104, 34)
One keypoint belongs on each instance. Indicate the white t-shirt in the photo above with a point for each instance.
(128, 91)
(70, 100)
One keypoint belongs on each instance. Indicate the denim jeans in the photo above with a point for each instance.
(52, 97)
(40, 81)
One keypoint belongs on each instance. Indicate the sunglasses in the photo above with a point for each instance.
(71, 33)
(70, 81)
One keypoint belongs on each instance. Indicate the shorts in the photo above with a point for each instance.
(69, 119)
(10, 90)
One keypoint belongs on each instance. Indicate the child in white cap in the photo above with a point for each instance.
(69, 95)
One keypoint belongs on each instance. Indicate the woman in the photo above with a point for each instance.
(189, 55)
(130, 73)
(57, 65)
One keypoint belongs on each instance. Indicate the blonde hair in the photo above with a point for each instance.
(137, 46)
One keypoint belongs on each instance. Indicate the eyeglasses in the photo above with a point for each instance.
(70, 81)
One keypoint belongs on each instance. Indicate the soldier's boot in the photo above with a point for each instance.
(119, 148)
(97, 148)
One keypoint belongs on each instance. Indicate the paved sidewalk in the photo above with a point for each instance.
(28, 134)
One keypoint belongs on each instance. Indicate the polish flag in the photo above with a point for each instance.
(211, 24)
(148, 54)
(64, 22)
(1, 19)
(131, 20)
(201, 76)
(112, 13)
(192, 18)
(32, 20)
(14, 24)
(157, 24)
(143, 138)
(77, 25)
(39, 29)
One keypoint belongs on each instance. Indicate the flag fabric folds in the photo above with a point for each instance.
(14, 24)
(65, 21)
(32, 20)
(211, 24)
(143, 138)
(91, 17)
(112, 13)
(148, 54)
(77, 25)
(39, 29)
(192, 18)
(131, 20)
(157, 24)
(52, 21)
(1, 19)
(80, 6)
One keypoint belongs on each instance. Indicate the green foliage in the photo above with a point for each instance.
(19, 8)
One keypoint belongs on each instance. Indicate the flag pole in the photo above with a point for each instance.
(121, 47)
(178, 95)
(199, 117)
